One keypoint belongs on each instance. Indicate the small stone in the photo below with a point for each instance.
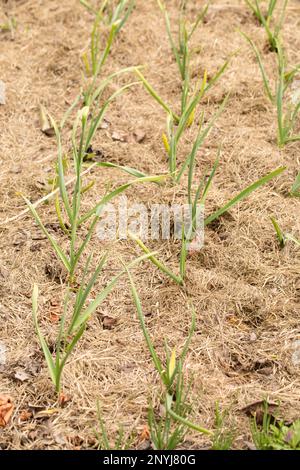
(252, 337)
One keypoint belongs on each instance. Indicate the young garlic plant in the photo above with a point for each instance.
(168, 430)
(176, 125)
(123, 441)
(196, 199)
(274, 434)
(68, 206)
(267, 18)
(282, 237)
(76, 313)
(287, 107)
(295, 191)
(115, 16)
(181, 50)
(110, 11)
(68, 203)
(223, 437)
(191, 95)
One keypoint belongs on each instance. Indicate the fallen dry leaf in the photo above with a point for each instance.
(54, 317)
(33, 366)
(64, 399)
(25, 415)
(55, 311)
(6, 410)
(119, 136)
(108, 322)
(257, 409)
(46, 128)
(21, 375)
(104, 124)
(139, 136)
(145, 434)
(16, 170)
(55, 308)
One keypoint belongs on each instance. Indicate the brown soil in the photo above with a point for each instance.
(244, 288)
